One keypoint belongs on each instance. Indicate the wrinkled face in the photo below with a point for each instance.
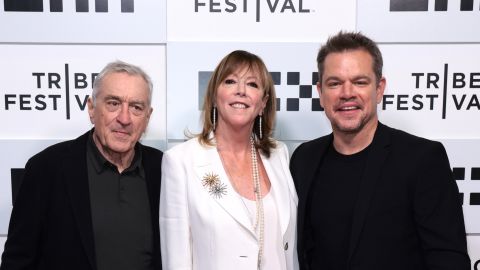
(349, 92)
(240, 99)
(121, 112)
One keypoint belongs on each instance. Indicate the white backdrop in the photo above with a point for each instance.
(49, 56)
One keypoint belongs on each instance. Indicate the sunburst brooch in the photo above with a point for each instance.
(212, 182)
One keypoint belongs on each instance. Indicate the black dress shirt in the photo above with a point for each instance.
(120, 213)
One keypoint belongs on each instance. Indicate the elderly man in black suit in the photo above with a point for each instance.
(372, 197)
(93, 202)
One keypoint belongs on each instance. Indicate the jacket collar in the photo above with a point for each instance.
(376, 157)
(208, 162)
(76, 179)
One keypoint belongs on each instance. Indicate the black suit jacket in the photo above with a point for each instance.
(408, 214)
(51, 224)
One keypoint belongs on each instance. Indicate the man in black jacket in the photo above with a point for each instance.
(92, 203)
(372, 197)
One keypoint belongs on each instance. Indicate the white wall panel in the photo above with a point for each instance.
(257, 20)
(420, 20)
(143, 22)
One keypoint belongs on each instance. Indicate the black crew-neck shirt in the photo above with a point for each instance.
(332, 202)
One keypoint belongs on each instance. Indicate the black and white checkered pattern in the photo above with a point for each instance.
(459, 175)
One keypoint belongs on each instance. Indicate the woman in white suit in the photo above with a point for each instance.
(227, 198)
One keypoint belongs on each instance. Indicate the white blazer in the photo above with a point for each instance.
(201, 231)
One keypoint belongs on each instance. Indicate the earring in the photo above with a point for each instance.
(260, 126)
(214, 118)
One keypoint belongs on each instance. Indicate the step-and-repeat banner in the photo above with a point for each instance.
(51, 51)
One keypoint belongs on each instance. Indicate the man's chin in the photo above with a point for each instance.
(349, 128)
(120, 148)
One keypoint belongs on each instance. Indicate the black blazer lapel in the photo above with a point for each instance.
(310, 164)
(376, 157)
(308, 160)
(76, 179)
(152, 162)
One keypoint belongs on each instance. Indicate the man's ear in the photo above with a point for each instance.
(149, 113)
(381, 89)
(91, 109)
(319, 90)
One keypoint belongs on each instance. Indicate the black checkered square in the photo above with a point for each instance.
(475, 173)
(305, 91)
(276, 77)
(293, 104)
(293, 78)
(458, 173)
(314, 78)
(316, 105)
(474, 198)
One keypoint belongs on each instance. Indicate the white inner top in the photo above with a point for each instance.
(273, 253)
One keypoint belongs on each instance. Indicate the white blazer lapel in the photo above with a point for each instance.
(278, 180)
(208, 163)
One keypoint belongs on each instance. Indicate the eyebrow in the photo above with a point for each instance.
(243, 77)
(139, 102)
(252, 77)
(112, 97)
(359, 77)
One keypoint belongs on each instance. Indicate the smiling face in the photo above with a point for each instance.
(240, 99)
(349, 92)
(120, 113)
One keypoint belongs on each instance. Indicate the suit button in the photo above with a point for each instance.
(286, 246)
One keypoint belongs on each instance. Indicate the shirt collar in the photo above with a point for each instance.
(100, 163)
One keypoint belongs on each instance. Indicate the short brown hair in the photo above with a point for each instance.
(228, 65)
(344, 41)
